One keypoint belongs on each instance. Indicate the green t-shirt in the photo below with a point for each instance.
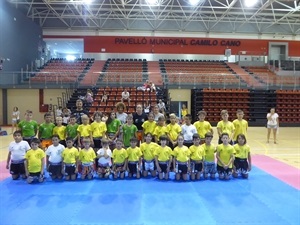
(113, 126)
(46, 130)
(28, 128)
(128, 132)
(72, 130)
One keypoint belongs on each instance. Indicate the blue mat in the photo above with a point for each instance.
(261, 200)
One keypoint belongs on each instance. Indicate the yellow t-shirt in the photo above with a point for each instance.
(87, 155)
(84, 130)
(60, 131)
(163, 153)
(227, 127)
(119, 156)
(70, 155)
(197, 152)
(202, 128)
(181, 154)
(184, 112)
(149, 126)
(173, 130)
(160, 131)
(225, 153)
(98, 129)
(34, 160)
(241, 127)
(148, 150)
(241, 151)
(209, 152)
(134, 154)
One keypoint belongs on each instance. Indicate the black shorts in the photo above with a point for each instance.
(182, 168)
(196, 167)
(70, 170)
(241, 164)
(55, 170)
(132, 166)
(17, 169)
(163, 166)
(38, 174)
(97, 143)
(118, 167)
(221, 170)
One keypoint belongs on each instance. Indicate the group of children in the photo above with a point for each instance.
(91, 149)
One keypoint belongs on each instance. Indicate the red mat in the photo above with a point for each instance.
(280, 170)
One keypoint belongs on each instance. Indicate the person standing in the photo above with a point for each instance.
(15, 119)
(272, 124)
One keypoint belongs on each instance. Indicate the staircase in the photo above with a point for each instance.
(154, 73)
(245, 76)
(91, 77)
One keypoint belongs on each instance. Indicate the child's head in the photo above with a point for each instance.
(239, 114)
(139, 109)
(97, 116)
(59, 120)
(47, 117)
(224, 115)
(129, 119)
(79, 104)
(208, 138)
(86, 143)
(120, 106)
(104, 142)
(151, 116)
(55, 140)
(201, 115)
(148, 137)
(225, 138)
(183, 106)
(15, 109)
(119, 144)
(180, 140)
(163, 140)
(69, 142)
(161, 121)
(133, 142)
(28, 115)
(196, 139)
(35, 142)
(241, 139)
(272, 110)
(173, 118)
(155, 109)
(188, 119)
(73, 119)
(85, 119)
(18, 136)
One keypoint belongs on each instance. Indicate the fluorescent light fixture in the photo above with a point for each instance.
(152, 2)
(194, 2)
(250, 3)
(70, 57)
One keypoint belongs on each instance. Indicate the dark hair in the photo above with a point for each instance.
(163, 138)
(69, 139)
(35, 140)
(55, 136)
(242, 136)
(17, 132)
(224, 134)
(133, 139)
(208, 134)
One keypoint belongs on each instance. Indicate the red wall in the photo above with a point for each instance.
(176, 45)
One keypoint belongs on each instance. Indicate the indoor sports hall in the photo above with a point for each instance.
(210, 55)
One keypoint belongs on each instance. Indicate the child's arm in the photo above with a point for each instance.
(43, 165)
(249, 162)
(230, 161)
(219, 160)
(174, 163)
(47, 162)
(157, 165)
(169, 164)
(78, 139)
(125, 164)
(8, 160)
(219, 131)
(26, 167)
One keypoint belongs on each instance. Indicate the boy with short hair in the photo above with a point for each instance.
(134, 158)
(129, 131)
(188, 129)
(163, 158)
(197, 158)
(120, 158)
(16, 156)
(104, 159)
(60, 130)
(71, 129)
(84, 130)
(225, 126)
(225, 157)
(203, 126)
(70, 160)
(46, 131)
(28, 127)
(160, 129)
(174, 130)
(148, 149)
(209, 163)
(54, 158)
(34, 163)
(240, 125)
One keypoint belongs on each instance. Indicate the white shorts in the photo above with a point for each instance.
(148, 165)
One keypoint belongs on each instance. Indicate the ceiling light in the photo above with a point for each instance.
(250, 3)
(152, 2)
(194, 2)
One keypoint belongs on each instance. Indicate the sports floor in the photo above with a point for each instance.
(270, 196)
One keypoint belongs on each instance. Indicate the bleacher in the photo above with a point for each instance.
(61, 71)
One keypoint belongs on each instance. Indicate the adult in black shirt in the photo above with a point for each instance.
(139, 117)
(79, 111)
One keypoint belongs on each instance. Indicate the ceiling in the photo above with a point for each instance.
(216, 16)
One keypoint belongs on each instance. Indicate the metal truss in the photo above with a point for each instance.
(226, 16)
